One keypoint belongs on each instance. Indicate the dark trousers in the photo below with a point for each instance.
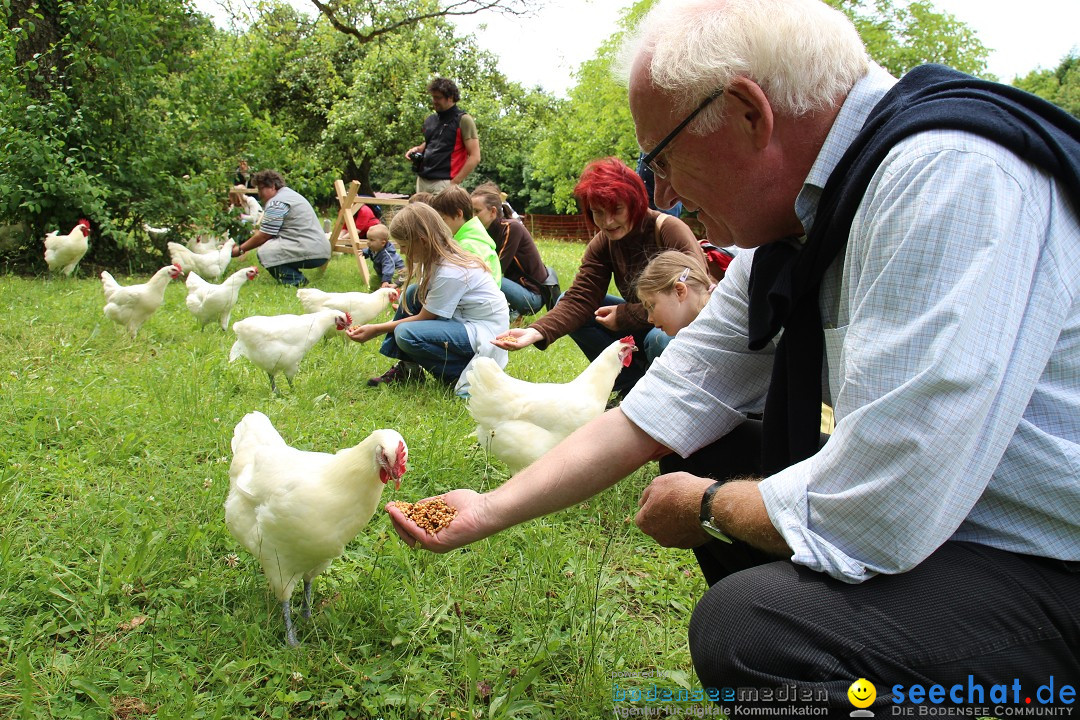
(967, 610)
(289, 273)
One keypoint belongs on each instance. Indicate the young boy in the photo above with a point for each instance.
(389, 267)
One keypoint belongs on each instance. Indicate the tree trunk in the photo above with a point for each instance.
(40, 46)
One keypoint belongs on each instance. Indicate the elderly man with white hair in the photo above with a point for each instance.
(912, 260)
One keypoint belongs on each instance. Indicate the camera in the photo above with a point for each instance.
(417, 158)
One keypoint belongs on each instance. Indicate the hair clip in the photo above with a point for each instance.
(683, 275)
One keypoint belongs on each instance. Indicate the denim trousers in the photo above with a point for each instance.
(441, 347)
(520, 299)
(592, 338)
(289, 273)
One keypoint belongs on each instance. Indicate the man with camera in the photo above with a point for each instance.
(451, 147)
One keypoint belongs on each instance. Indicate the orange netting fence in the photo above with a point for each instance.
(557, 227)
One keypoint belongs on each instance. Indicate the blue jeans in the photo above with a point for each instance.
(592, 338)
(440, 346)
(289, 273)
(521, 299)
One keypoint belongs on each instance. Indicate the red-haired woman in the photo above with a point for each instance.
(616, 207)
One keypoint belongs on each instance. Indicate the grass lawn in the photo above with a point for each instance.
(123, 595)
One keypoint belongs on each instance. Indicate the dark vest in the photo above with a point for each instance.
(785, 281)
(441, 135)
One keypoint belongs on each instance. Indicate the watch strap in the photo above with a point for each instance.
(706, 501)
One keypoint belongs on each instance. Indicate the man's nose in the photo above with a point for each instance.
(664, 197)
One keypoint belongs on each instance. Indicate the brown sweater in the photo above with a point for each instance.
(624, 259)
(518, 254)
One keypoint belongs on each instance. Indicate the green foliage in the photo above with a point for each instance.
(125, 596)
(1060, 86)
(594, 122)
(900, 35)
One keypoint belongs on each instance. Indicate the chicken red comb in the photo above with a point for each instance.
(348, 319)
(623, 353)
(402, 455)
(85, 223)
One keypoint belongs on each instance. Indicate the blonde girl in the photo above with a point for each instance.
(673, 288)
(452, 307)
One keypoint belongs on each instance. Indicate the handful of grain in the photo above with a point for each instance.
(431, 515)
(352, 328)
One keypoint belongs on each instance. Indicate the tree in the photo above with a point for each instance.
(386, 59)
(1060, 85)
(86, 120)
(900, 36)
(595, 120)
(365, 21)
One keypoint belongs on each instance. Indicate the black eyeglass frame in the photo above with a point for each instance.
(650, 159)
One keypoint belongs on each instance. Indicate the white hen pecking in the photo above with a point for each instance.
(295, 511)
(277, 343)
(363, 307)
(209, 265)
(518, 421)
(131, 306)
(209, 302)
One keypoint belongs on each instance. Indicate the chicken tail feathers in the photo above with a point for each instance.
(237, 351)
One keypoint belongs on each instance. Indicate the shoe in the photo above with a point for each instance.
(402, 372)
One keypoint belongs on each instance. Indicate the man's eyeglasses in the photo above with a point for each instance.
(651, 160)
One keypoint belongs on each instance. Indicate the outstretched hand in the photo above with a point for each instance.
(363, 333)
(466, 527)
(517, 338)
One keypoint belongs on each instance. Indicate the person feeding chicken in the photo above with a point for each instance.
(295, 511)
(290, 237)
(449, 316)
(628, 235)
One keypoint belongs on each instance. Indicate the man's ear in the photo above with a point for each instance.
(751, 111)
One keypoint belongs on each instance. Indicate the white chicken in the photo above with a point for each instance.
(131, 306)
(518, 421)
(363, 307)
(210, 265)
(63, 252)
(209, 302)
(277, 343)
(294, 510)
(203, 244)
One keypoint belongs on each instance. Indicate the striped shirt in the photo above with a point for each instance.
(952, 334)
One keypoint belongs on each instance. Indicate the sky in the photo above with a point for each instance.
(546, 48)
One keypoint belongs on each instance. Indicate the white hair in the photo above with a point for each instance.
(805, 55)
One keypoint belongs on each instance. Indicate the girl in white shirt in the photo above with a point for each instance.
(451, 312)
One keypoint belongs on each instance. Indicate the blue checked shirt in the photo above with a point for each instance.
(952, 333)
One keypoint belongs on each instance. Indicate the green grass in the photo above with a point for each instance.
(123, 595)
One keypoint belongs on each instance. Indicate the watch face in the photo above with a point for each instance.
(714, 531)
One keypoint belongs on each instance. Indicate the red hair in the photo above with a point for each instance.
(608, 182)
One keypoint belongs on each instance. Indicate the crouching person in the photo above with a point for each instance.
(290, 237)
(452, 312)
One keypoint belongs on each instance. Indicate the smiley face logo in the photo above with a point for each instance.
(862, 693)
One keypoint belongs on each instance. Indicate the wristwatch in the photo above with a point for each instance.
(706, 513)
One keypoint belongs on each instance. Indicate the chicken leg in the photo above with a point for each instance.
(290, 633)
(306, 610)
